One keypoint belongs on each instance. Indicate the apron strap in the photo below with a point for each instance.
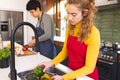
(39, 21)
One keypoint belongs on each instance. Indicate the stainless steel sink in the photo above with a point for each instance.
(28, 75)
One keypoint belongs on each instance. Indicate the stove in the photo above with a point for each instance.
(108, 63)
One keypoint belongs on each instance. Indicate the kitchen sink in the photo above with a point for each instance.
(28, 75)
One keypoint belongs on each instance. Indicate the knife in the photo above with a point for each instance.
(51, 73)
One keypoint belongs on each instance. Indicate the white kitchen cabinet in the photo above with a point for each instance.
(105, 2)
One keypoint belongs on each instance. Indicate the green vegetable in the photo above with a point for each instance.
(4, 53)
(38, 72)
(44, 78)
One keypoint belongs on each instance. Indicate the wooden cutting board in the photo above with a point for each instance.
(26, 53)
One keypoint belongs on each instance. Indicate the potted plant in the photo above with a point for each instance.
(4, 57)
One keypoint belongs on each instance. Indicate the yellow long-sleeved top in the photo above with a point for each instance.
(93, 44)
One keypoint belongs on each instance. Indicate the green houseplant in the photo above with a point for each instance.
(4, 57)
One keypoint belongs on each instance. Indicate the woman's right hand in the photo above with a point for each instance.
(47, 65)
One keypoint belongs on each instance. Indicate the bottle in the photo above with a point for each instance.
(1, 42)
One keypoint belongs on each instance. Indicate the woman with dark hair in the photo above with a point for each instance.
(82, 42)
(45, 29)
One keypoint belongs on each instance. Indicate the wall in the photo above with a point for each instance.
(29, 31)
(17, 5)
(108, 22)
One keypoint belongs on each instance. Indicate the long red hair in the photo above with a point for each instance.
(87, 21)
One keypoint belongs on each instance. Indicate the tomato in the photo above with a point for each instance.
(24, 48)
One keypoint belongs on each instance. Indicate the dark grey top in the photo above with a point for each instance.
(48, 27)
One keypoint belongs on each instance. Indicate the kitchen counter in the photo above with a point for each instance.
(25, 63)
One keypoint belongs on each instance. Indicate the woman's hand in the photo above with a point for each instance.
(47, 65)
(32, 43)
(57, 77)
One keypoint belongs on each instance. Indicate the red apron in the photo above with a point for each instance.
(77, 54)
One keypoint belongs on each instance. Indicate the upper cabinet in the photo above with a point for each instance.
(106, 2)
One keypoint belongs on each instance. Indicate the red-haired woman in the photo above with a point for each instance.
(82, 41)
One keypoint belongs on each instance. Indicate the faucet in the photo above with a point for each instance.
(13, 75)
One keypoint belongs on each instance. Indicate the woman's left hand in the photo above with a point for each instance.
(57, 77)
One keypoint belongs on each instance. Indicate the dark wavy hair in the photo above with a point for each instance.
(33, 4)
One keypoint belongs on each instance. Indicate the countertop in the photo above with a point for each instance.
(25, 63)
